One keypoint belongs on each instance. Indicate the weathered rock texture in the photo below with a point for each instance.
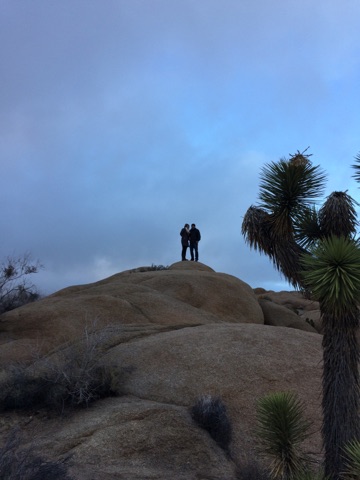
(171, 336)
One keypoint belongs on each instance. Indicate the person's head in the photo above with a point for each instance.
(186, 225)
(193, 225)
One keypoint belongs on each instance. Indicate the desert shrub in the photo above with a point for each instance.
(210, 413)
(76, 375)
(21, 389)
(282, 428)
(72, 377)
(154, 268)
(15, 288)
(18, 463)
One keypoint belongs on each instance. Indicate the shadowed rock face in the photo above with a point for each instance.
(172, 335)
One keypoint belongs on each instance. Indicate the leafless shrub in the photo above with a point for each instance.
(15, 288)
(74, 376)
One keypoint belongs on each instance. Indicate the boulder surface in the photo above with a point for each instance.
(168, 337)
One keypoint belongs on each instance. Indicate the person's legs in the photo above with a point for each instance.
(183, 252)
(196, 252)
(192, 251)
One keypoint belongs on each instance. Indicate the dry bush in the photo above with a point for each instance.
(209, 413)
(73, 376)
(15, 287)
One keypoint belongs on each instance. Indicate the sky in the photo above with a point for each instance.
(122, 120)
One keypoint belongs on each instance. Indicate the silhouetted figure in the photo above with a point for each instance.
(195, 238)
(184, 240)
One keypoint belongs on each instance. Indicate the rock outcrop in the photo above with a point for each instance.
(172, 335)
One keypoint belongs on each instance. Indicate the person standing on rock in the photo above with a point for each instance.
(195, 238)
(184, 240)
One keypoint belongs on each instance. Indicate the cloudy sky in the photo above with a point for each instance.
(121, 120)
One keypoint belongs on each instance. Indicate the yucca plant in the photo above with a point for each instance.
(309, 476)
(352, 461)
(282, 428)
(288, 190)
(332, 273)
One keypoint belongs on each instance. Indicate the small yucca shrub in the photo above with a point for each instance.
(352, 462)
(281, 429)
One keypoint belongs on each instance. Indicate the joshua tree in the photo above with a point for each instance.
(316, 251)
(333, 274)
(286, 225)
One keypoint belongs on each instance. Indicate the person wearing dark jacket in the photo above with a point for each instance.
(184, 233)
(195, 238)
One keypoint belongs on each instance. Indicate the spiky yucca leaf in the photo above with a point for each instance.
(332, 273)
(356, 167)
(352, 462)
(287, 187)
(338, 215)
(310, 476)
(256, 230)
(307, 228)
(282, 428)
(261, 234)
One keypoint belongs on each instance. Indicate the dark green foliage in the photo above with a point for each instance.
(356, 167)
(282, 428)
(338, 216)
(210, 414)
(307, 228)
(259, 232)
(18, 463)
(286, 187)
(351, 461)
(332, 272)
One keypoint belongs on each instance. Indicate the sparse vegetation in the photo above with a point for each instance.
(15, 288)
(19, 463)
(210, 413)
(153, 267)
(282, 428)
(72, 377)
(352, 461)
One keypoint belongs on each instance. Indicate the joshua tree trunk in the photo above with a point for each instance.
(340, 401)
